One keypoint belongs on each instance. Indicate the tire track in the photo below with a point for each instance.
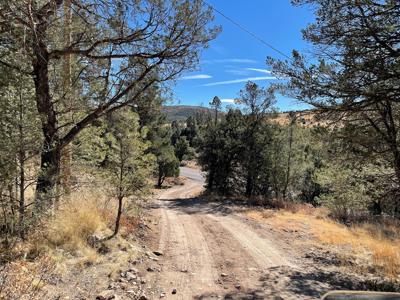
(188, 265)
(262, 250)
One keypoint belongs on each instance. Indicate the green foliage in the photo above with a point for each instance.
(182, 149)
(128, 167)
(20, 142)
(220, 150)
(346, 187)
(191, 130)
(168, 164)
(90, 147)
(176, 130)
(351, 78)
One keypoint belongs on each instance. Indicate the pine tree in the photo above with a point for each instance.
(128, 167)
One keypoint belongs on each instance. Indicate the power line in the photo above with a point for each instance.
(240, 26)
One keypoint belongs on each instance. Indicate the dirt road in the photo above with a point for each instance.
(208, 253)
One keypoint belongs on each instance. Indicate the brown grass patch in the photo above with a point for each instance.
(378, 244)
(75, 221)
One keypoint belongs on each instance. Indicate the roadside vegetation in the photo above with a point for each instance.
(82, 137)
(83, 140)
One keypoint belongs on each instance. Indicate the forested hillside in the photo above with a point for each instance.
(182, 112)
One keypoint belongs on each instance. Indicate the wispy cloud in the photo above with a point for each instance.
(228, 100)
(265, 71)
(240, 72)
(199, 76)
(246, 71)
(231, 60)
(240, 80)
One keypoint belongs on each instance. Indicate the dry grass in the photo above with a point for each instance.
(378, 244)
(76, 220)
(63, 240)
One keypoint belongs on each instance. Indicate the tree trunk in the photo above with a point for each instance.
(249, 185)
(66, 157)
(210, 179)
(21, 161)
(21, 208)
(118, 219)
(48, 177)
(396, 165)
(160, 178)
(51, 152)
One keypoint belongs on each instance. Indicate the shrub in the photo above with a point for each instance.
(347, 192)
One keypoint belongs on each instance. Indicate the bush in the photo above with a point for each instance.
(347, 196)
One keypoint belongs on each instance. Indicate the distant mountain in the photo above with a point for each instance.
(182, 112)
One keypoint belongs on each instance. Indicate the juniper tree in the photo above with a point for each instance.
(257, 103)
(353, 76)
(116, 46)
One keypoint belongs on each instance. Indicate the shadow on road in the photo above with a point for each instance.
(195, 205)
(284, 282)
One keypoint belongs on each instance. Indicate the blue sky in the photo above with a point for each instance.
(235, 56)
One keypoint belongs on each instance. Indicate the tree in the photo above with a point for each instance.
(257, 102)
(353, 76)
(182, 148)
(20, 142)
(191, 130)
(346, 186)
(168, 164)
(216, 103)
(159, 136)
(128, 167)
(118, 45)
(292, 120)
(176, 132)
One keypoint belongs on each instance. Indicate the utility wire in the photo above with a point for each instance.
(237, 24)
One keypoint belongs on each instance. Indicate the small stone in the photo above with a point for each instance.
(112, 286)
(143, 281)
(151, 269)
(162, 295)
(224, 275)
(237, 286)
(158, 253)
(130, 276)
(106, 295)
(143, 297)
(174, 291)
